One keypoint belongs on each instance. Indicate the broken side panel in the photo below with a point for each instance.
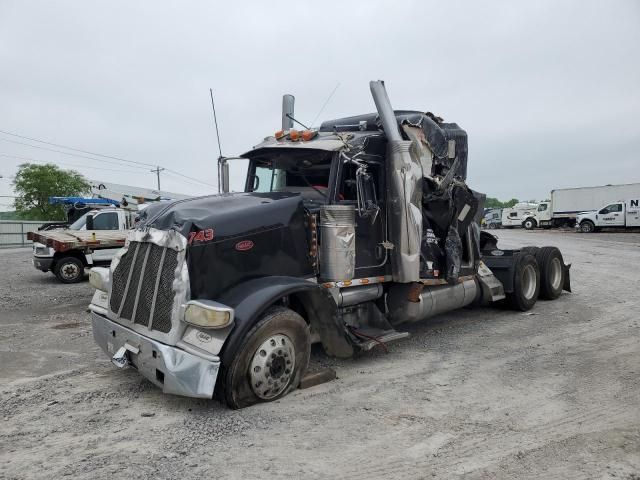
(404, 195)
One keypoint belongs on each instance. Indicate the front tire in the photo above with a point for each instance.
(587, 226)
(270, 361)
(526, 283)
(69, 270)
(529, 224)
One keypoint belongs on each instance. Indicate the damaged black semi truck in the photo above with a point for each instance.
(341, 235)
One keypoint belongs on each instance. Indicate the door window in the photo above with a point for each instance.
(106, 221)
(613, 208)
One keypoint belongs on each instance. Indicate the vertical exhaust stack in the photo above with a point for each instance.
(288, 102)
(404, 193)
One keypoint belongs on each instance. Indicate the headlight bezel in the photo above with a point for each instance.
(207, 314)
(99, 278)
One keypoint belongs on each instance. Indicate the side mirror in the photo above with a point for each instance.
(89, 222)
(223, 175)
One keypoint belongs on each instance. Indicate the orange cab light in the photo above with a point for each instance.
(294, 135)
(364, 281)
(279, 134)
(308, 135)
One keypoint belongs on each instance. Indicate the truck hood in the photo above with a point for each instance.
(224, 215)
(234, 237)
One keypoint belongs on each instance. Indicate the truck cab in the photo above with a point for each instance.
(69, 265)
(616, 214)
(338, 236)
(543, 214)
(520, 215)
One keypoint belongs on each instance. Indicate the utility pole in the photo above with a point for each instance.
(157, 171)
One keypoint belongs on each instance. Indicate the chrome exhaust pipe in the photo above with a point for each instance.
(288, 103)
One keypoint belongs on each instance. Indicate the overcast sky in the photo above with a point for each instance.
(549, 92)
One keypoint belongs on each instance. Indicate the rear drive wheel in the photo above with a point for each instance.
(587, 226)
(69, 270)
(552, 272)
(270, 361)
(526, 283)
(529, 224)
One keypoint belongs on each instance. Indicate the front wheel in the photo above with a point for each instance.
(587, 226)
(526, 283)
(69, 270)
(529, 224)
(270, 361)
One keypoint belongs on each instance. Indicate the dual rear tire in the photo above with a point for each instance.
(551, 270)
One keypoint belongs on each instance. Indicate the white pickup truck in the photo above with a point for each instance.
(617, 214)
(90, 241)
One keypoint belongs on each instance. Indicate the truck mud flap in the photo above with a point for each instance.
(567, 278)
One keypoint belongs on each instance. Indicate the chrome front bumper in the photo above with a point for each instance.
(172, 369)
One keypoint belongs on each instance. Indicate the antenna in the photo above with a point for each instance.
(325, 104)
(215, 122)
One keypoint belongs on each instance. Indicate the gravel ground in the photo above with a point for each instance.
(486, 393)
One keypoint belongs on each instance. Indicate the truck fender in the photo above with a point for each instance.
(252, 298)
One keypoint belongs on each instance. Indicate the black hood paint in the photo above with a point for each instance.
(249, 235)
(227, 214)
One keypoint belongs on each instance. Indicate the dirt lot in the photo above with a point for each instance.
(490, 393)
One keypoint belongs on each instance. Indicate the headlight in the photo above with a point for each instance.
(99, 278)
(207, 314)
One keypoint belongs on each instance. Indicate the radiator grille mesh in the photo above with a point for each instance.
(133, 289)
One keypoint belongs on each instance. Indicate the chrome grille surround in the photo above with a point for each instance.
(150, 284)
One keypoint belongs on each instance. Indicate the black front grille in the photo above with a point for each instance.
(142, 285)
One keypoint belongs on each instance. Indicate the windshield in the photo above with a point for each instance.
(303, 171)
(268, 179)
(79, 223)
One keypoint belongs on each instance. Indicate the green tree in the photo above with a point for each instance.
(34, 184)
(491, 202)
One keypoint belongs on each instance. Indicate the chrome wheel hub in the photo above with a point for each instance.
(555, 273)
(272, 366)
(529, 282)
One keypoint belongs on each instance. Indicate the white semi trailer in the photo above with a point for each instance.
(567, 203)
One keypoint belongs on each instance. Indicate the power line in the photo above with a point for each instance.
(190, 178)
(55, 162)
(91, 153)
(76, 149)
(67, 153)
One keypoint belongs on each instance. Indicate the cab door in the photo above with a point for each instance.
(611, 216)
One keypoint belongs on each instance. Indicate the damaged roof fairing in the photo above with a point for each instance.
(329, 142)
